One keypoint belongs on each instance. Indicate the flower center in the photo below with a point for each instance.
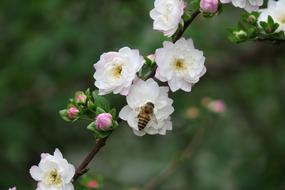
(282, 19)
(117, 71)
(53, 178)
(179, 65)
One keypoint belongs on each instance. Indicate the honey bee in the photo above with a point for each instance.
(145, 115)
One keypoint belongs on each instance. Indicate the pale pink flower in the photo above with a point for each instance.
(13, 188)
(53, 172)
(116, 71)
(167, 15)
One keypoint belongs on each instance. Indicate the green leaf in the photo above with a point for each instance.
(91, 127)
(99, 110)
(270, 20)
(113, 112)
(102, 134)
(63, 115)
(100, 101)
(195, 4)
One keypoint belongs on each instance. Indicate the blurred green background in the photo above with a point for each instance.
(47, 52)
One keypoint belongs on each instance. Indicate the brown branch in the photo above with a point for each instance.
(82, 169)
(185, 154)
(187, 23)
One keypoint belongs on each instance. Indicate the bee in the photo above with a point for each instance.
(145, 115)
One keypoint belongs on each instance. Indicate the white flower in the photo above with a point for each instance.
(277, 11)
(180, 64)
(115, 71)
(248, 5)
(144, 92)
(167, 15)
(53, 172)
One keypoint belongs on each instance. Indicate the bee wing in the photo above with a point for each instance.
(153, 118)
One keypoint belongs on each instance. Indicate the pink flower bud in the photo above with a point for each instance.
(151, 57)
(217, 106)
(72, 112)
(103, 121)
(92, 184)
(209, 6)
(80, 97)
(13, 188)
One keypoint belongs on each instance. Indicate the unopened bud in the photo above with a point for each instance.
(251, 19)
(217, 106)
(240, 34)
(209, 6)
(151, 57)
(80, 97)
(92, 184)
(72, 112)
(103, 121)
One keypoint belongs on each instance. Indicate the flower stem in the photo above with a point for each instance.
(82, 169)
(187, 23)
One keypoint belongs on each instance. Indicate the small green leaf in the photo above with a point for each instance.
(195, 4)
(102, 134)
(270, 20)
(100, 101)
(63, 115)
(99, 111)
(91, 127)
(113, 112)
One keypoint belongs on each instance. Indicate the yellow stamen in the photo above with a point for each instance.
(53, 178)
(179, 65)
(117, 71)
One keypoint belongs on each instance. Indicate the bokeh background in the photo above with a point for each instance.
(47, 52)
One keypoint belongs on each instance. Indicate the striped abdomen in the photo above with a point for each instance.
(143, 120)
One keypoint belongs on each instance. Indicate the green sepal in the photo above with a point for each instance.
(63, 115)
(148, 61)
(195, 4)
(99, 110)
(91, 126)
(113, 112)
(270, 26)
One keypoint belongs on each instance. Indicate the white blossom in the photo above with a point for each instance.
(53, 172)
(275, 9)
(141, 93)
(179, 64)
(248, 5)
(167, 15)
(115, 71)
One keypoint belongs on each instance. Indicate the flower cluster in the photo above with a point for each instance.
(149, 108)
(178, 64)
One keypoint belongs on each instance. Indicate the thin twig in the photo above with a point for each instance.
(185, 154)
(82, 169)
(187, 23)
